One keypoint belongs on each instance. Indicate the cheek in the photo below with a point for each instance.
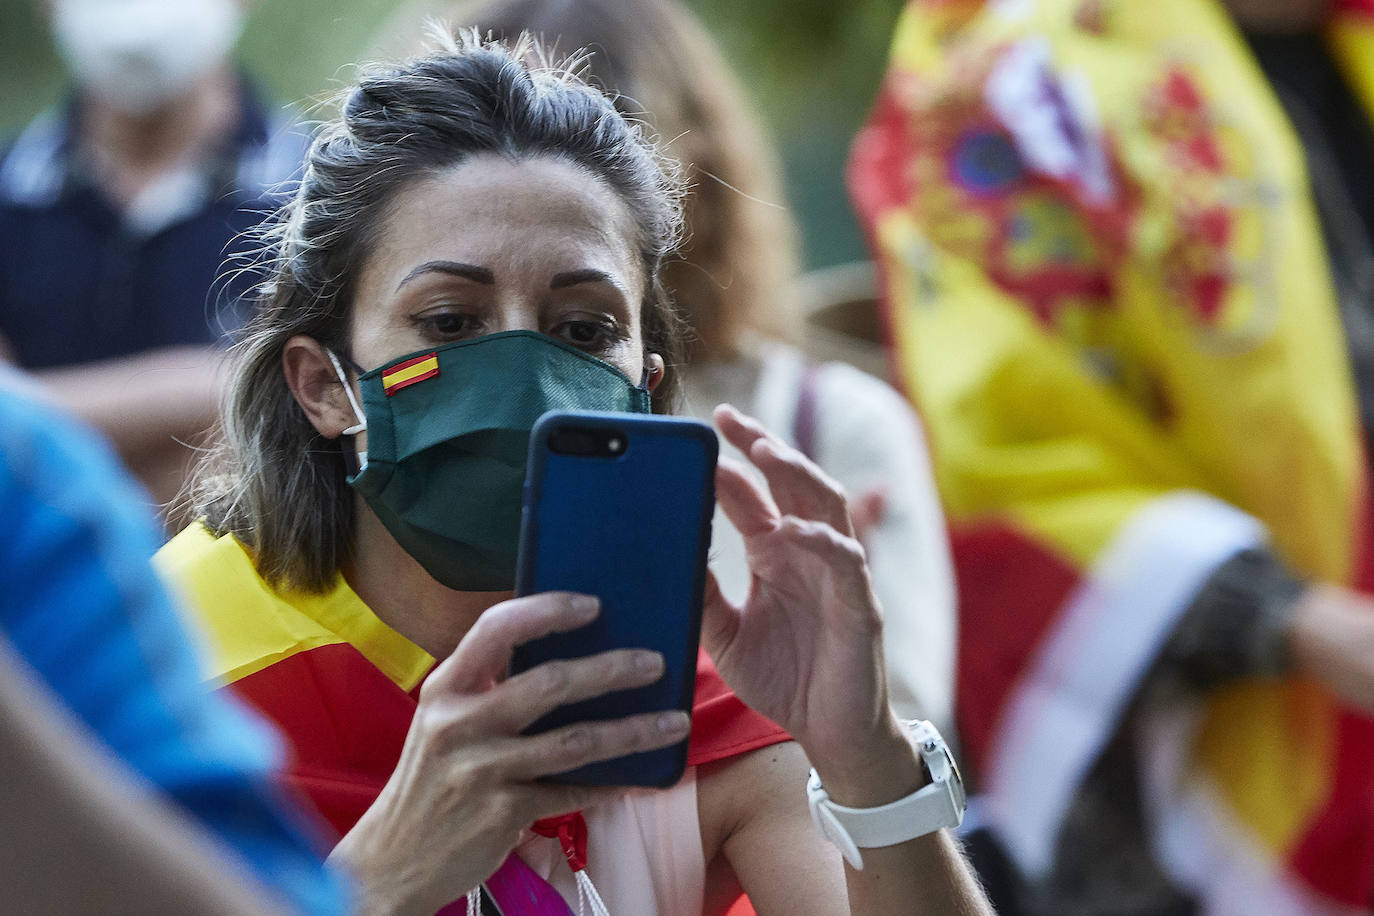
(375, 341)
(363, 335)
(629, 359)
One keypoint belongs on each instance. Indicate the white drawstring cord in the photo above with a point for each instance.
(587, 895)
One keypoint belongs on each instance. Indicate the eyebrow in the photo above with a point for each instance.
(487, 278)
(574, 277)
(455, 268)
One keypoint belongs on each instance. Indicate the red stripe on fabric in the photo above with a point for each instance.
(741, 907)
(413, 361)
(392, 389)
(878, 174)
(346, 722)
(1358, 7)
(722, 726)
(1336, 854)
(571, 832)
(1011, 591)
(878, 180)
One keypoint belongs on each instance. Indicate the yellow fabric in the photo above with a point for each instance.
(399, 376)
(1277, 718)
(1351, 38)
(1066, 412)
(249, 626)
(1021, 420)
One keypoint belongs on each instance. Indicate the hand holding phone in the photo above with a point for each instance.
(619, 506)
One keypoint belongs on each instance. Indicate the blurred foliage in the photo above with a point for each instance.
(812, 67)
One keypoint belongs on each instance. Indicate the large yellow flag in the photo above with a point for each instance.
(1108, 295)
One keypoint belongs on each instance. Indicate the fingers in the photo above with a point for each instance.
(739, 430)
(531, 694)
(589, 742)
(482, 657)
(746, 505)
(798, 487)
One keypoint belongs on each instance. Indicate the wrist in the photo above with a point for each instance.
(873, 818)
(379, 888)
(878, 770)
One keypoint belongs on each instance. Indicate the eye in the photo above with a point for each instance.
(449, 324)
(594, 335)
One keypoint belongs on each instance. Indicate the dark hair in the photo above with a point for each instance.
(274, 482)
(738, 268)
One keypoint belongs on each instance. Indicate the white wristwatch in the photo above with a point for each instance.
(932, 807)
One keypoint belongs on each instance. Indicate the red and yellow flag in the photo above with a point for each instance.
(411, 372)
(1108, 294)
(342, 686)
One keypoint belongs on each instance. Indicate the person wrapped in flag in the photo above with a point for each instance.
(1126, 256)
(474, 242)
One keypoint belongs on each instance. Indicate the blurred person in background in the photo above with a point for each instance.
(83, 833)
(736, 284)
(1128, 267)
(117, 212)
(127, 786)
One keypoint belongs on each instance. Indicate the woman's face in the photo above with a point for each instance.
(494, 245)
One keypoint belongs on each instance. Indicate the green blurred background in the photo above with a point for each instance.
(811, 66)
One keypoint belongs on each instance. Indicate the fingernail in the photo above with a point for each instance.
(648, 662)
(672, 723)
(585, 607)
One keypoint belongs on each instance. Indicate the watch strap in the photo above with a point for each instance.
(936, 805)
(928, 809)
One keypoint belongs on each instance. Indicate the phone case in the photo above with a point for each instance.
(633, 530)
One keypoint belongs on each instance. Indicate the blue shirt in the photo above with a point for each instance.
(81, 280)
(80, 603)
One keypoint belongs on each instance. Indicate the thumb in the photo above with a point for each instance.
(719, 620)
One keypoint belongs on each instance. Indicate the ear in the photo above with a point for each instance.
(316, 386)
(657, 372)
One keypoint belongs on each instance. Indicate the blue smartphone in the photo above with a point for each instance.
(619, 506)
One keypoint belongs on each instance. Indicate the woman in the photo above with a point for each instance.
(735, 281)
(469, 211)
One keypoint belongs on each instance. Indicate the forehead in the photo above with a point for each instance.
(523, 220)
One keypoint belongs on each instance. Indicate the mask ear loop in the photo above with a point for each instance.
(645, 377)
(361, 425)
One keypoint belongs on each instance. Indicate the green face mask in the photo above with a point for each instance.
(448, 430)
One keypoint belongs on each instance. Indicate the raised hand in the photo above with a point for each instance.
(805, 648)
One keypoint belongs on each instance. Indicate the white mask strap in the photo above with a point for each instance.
(361, 425)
